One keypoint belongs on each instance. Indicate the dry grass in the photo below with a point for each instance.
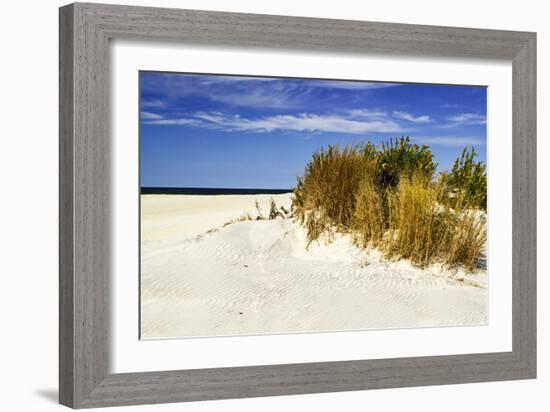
(424, 231)
(388, 199)
(468, 236)
(242, 218)
(369, 219)
(274, 213)
(416, 222)
(325, 199)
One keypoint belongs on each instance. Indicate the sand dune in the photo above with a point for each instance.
(256, 277)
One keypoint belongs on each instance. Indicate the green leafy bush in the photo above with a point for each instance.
(400, 157)
(468, 180)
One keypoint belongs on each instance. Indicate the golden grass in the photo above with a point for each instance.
(408, 216)
(416, 225)
(369, 218)
(425, 231)
(325, 199)
(468, 236)
(274, 213)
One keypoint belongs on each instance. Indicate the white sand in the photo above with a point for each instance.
(257, 277)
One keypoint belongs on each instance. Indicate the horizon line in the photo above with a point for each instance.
(210, 190)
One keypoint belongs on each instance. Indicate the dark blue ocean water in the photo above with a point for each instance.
(209, 191)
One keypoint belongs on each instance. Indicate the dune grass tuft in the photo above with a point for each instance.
(424, 230)
(369, 217)
(274, 213)
(325, 198)
(387, 197)
(468, 235)
(416, 225)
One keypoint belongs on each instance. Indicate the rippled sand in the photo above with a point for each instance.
(201, 278)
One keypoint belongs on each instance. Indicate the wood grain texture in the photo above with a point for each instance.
(66, 228)
(85, 31)
(524, 184)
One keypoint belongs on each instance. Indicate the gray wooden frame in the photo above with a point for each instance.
(85, 31)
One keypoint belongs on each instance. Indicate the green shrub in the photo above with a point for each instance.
(400, 157)
(467, 180)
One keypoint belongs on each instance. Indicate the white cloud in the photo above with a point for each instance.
(410, 118)
(172, 122)
(315, 123)
(465, 119)
(150, 116)
(152, 103)
(271, 97)
(468, 118)
(304, 122)
(368, 114)
(248, 91)
(279, 93)
(451, 141)
(221, 79)
(213, 117)
(350, 84)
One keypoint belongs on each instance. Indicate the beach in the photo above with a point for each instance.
(202, 275)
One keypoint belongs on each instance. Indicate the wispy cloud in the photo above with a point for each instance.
(253, 92)
(304, 122)
(471, 118)
(268, 97)
(173, 122)
(368, 114)
(350, 84)
(411, 118)
(465, 119)
(287, 93)
(207, 80)
(153, 103)
(150, 116)
(449, 141)
(451, 105)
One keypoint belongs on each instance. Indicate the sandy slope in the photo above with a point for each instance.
(257, 277)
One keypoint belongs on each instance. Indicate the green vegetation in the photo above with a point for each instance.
(468, 179)
(400, 157)
(387, 197)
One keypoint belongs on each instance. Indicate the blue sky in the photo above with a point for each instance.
(252, 132)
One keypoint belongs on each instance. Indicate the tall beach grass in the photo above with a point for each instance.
(387, 197)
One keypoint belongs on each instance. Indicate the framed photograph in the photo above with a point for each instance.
(256, 205)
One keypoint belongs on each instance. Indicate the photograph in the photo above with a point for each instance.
(276, 205)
